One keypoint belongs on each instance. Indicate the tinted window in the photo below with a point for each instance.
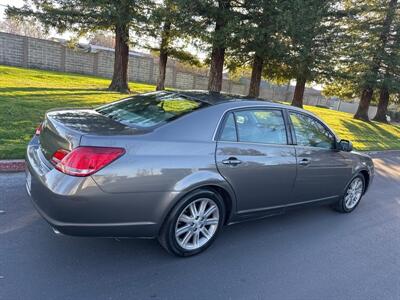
(148, 110)
(310, 132)
(229, 131)
(261, 126)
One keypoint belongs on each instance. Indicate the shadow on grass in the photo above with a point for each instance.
(373, 136)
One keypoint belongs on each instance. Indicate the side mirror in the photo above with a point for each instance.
(345, 145)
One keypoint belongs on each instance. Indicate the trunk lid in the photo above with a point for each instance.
(65, 128)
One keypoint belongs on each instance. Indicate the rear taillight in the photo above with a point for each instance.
(84, 161)
(58, 156)
(38, 129)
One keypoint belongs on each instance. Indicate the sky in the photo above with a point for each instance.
(4, 3)
(19, 3)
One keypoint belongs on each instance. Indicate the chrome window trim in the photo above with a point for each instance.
(323, 124)
(311, 115)
(260, 144)
(262, 106)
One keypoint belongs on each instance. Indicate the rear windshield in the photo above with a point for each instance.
(149, 110)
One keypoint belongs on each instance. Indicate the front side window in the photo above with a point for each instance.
(148, 110)
(255, 126)
(310, 132)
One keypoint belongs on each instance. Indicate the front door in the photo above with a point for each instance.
(322, 171)
(253, 155)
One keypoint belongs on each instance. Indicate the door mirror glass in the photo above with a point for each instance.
(345, 145)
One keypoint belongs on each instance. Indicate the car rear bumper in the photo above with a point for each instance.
(77, 206)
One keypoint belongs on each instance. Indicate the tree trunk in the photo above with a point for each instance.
(216, 69)
(299, 92)
(363, 106)
(218, 50)
(382, 105)
(162, 63)
(366, 96)
(119, 81)
(256, 72)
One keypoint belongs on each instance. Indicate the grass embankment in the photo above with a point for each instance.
(26, 94)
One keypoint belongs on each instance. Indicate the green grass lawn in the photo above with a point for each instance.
(26, 94)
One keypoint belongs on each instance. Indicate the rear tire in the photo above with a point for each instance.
(193, 224)
(352, 195)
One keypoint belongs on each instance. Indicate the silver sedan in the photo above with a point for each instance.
(178, 166)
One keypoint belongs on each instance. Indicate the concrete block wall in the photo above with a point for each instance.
(185, 81)
(79, 62)
(105, 66)
(141, 69)
(45, 55)
(30, 52)
(201, 82)
(12, 50)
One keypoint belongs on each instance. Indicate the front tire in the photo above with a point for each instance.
(193, 224)
(352, 195)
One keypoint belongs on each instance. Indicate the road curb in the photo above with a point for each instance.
(12, 165)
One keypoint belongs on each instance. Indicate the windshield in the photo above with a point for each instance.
(148, 110)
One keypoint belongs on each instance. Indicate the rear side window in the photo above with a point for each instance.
(149, 110)
(228, 133)
(255, 126)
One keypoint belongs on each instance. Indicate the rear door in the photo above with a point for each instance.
(254, 156)
(322, 171)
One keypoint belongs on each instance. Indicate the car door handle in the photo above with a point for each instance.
(232, 161)
(304, 162)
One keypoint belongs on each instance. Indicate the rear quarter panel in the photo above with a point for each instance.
(157, 166)
(172, 157)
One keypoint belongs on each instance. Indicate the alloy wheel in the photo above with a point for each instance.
(197, 224)
(354, 193)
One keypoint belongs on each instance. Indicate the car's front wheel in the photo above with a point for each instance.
(193, 224)
(352, 196)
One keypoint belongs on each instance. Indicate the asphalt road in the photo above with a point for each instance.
(313, 253)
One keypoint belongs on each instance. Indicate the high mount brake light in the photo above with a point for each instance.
(85, 161)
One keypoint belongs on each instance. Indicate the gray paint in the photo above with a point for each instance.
(265, 176)
(311, 253)
(133, 195)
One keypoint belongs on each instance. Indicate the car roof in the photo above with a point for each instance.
(213, 98)
(231, 100)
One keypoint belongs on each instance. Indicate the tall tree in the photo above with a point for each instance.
(257, 40)
(390, 82)
(213, 22)
(256, 74)
(219, 46)
(311, 30)
(162, 65)
(168, 27)
(84, 16)
(382, 105)
(379, 21)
